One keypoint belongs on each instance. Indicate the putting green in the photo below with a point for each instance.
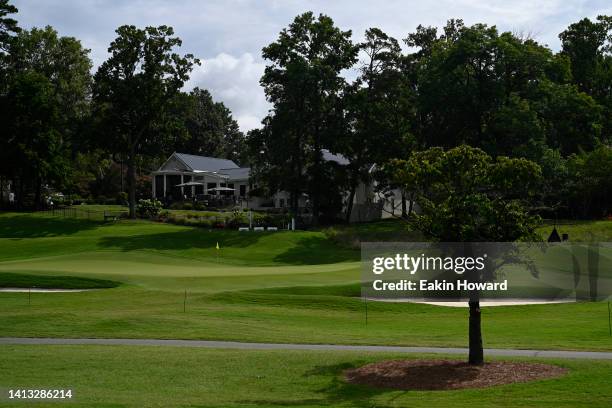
(299, 287)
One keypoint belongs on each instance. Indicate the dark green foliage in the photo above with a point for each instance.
(304, 84)
(46, 101)
(466, 196)
(590, 188)
(211, 129)
(132, 95)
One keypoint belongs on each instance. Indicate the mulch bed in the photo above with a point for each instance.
(448, 374)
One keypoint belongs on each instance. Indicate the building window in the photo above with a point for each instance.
(243, 190)
(211, 185)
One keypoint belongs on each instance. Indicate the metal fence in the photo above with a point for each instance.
(85, 213)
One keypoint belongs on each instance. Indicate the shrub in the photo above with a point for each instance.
(148, 208)
(236, 219)
(122, 198)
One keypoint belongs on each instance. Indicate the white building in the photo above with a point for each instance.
(186, 176)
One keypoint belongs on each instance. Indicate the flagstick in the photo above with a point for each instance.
(366, 309)
(609, 321)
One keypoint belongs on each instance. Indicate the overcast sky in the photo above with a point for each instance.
(227, 35)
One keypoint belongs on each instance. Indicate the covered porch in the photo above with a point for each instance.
(179, 185)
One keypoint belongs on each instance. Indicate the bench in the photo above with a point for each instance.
(272, 229)
(243, 229)
(108, 216)
(258, 228)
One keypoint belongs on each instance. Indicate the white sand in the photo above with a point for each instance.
(488, 303)
(39, 290)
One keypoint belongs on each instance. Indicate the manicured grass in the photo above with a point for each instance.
(20, 280)
(105, 376)
(266, 316)
(20, 236)
(102, 207)
(278, 287)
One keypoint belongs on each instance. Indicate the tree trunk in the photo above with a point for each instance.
(131, 181)
(349, 204)
(476, 353)
(404, 213)
(411, 205)
(37, 194)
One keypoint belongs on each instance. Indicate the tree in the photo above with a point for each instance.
(380, 110)
(501, 92)
(466, 196)
(590, 178)
(212, 131)
(588, 45)
(34, 151)
(304, 84)
(132, 91)
(7, 25)
(585, 43)
(49, 76)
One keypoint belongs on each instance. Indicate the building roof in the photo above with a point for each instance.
(240, 173)
(203, 163)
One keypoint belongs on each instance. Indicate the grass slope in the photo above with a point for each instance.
(277, 287)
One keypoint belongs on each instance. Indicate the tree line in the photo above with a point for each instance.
(66, 129)
(460, 86)
(501, 92)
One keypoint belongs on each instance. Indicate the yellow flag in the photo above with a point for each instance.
(217, 245)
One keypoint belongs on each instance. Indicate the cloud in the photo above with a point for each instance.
(235, 81)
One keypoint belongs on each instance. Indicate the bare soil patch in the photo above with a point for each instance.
(437, 375)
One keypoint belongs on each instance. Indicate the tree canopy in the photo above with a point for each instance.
(133, 91)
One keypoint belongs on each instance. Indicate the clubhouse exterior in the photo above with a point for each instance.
(222, 182)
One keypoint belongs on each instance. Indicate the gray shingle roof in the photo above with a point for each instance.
(241, 173)
(203, 163)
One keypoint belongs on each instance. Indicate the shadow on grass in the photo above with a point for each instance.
(337, 392)
(31, 226)
(316, 250)
(19, 280)
(180, 240)
(304, 251)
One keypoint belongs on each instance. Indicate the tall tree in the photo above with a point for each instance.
(54, 72)
(466, 196)
(212, 131)
(380, 110)
(34, 152)
(132, 90)
(8, 25)
(588, 45)
(304, 84)
(497, 91)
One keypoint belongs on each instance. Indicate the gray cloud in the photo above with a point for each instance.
(228, 34)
